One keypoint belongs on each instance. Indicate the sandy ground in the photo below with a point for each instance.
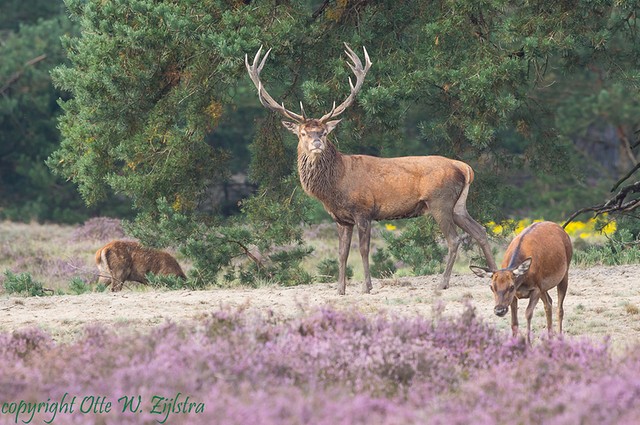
(601, 301)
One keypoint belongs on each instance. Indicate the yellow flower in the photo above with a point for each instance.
(610, 228)
(575, 227)
(390, 227)
(522, 224)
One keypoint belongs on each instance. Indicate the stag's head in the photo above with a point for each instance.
(504, 283)
(312, 133)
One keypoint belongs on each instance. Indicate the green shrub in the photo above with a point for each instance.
(383, 266)
(620, 248)
(417, 246)
(328, 271)
(78, 286)
(22, 283)
(171, 282)
(266, 245)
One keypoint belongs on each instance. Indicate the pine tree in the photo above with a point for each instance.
(152, 81)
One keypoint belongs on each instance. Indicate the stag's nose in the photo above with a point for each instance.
(317, 144)
(500, 310)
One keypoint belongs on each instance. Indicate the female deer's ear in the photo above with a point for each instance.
(481, 271)
(522, 268)
(331, 125)
(291, 126)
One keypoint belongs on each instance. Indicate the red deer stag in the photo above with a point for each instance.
(535, 261)
(356, 189)
(121, 261)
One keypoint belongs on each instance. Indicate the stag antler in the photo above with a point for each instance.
(360, 73)
(265, 98)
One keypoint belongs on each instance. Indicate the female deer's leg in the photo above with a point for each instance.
(514, 317)
(533, 300)
(548, 310)
(364, 233)
(344, 238)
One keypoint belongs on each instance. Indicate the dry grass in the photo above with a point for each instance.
(601, 300)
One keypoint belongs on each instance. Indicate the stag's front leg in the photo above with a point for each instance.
(364, 233)
(344, 244)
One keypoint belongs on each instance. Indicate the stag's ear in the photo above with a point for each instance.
(331, 125)
(481, 271)
(522, 268)
(291, 126)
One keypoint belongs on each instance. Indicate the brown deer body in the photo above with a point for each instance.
(356, 189)
(536, 261)
(121, 261)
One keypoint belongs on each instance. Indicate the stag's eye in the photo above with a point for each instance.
(303, 133)
(512, 288)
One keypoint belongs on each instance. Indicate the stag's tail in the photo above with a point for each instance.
(103, 265)
(460, 207)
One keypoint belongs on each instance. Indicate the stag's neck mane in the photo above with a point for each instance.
(319, 176)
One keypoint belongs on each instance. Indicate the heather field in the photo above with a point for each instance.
(405, 354)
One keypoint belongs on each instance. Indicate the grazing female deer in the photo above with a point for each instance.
(356, 189)
(536, 260)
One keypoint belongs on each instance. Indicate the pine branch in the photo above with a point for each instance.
(16, 75)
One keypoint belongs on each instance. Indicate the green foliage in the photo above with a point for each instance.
(78, 286)
(383, 266)
(153, 84)
(328, 271)
(623, 247)
(23, 284)
(266, 246)
(14, 13)
(417, 246)
(172, 282)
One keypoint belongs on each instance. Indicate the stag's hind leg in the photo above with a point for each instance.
(474, 229)
(562, 291)
(448, 229)
(364, 234)
(463, 220)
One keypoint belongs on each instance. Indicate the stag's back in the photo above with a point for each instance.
(384, 188)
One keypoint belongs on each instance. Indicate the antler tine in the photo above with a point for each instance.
(264, 59)
(302, 111)
(265, 98)
(360, 72)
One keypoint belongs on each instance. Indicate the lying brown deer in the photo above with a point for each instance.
(536, 260)
(121, 261)
(356, 189)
